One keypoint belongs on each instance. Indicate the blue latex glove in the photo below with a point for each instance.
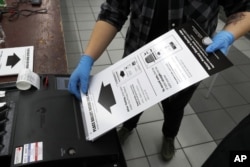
(79, 79)
(222, 41)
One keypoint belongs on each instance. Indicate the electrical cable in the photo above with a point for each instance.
(14, 14)
(14, 11)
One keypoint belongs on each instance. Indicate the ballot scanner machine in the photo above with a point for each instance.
(44, 128)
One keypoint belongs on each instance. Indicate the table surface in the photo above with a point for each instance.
(44, 32)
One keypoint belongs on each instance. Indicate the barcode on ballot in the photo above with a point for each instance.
(27, 58)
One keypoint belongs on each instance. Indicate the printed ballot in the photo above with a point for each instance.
(13, 60)
(163, 67)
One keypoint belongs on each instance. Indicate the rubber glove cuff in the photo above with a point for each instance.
(222, 40)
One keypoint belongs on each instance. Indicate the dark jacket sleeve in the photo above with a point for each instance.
(115, 12)
(235, 6)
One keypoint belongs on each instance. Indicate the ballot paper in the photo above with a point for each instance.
(13, 60)
(158, 70)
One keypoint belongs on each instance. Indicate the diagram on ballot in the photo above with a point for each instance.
(13, 60)
(106, 97)
(156, 71)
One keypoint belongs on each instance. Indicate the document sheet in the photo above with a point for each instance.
(158, 70)
(13, 60)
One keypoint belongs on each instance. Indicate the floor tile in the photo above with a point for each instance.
(243, 90)
(227, 96)
(188, 110)
(119, 35)
(85, 35)
(103, 60)
(246, 52)
(152, 141)
(115, 55)
(139, 162)
(239, 112)
(117, 43)
(201, 85)
(69, 26)
(66, 3)
(245, 69)
(242, 44)
(82, 9)
(132, 147)
(218, 141)
(198, 154)
(238, 58)
(73, 47)
(68, 17)
(73, 60)
(218, 123)
(179, 160)
(96, 2)
(124, 31)
(85, 25)
(200, 102)
(234, 75)
(96, 15)
(71, 36)
(219, 80)
(80, 3)
(192, 132)
(154, 113)
(96, 9)
(83, 44)
(67, 10)
(220, 25)
(97, 69)
(84, 17)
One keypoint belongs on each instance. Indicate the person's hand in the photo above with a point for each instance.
(79, 79)
(222, 40)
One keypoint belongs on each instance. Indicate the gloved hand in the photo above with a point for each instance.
(79, 79)
(222, 41)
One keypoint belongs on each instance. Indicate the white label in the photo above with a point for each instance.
(18, 155)
(33, 152)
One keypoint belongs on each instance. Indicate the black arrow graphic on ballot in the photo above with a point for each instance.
(12, 60)
(106, 97)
